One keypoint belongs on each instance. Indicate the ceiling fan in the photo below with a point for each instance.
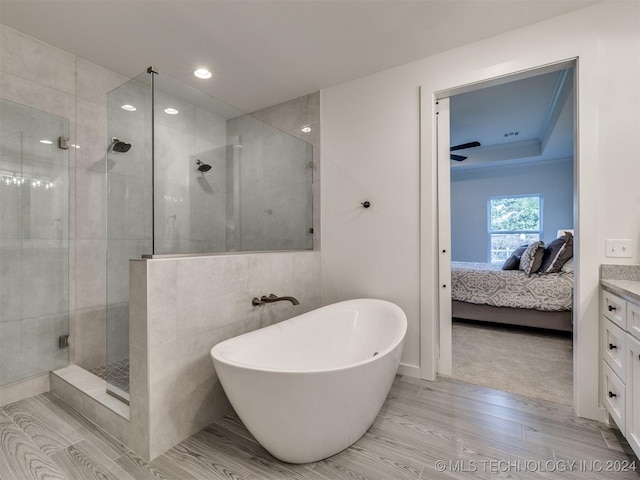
(462, 146)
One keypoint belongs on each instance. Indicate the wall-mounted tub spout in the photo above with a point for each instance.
(258, 302)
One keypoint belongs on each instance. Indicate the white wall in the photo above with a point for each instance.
(472, 188)
(372, 150)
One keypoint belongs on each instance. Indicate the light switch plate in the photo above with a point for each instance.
(619, 248)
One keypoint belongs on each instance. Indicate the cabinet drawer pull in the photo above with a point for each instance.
(611, 394)
(611, 308)
(612, 346)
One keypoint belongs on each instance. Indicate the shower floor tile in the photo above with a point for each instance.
(117, 374)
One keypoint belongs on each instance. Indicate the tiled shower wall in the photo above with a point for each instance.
(291, 117)
(37, 75)
(179, 309)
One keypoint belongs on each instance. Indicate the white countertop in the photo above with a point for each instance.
(630, 289)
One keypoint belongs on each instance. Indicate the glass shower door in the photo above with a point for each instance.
(129, 216)
(34, 245)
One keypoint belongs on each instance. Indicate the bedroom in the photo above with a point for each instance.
(512, 184)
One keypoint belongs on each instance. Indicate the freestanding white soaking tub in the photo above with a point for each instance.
(310, 386)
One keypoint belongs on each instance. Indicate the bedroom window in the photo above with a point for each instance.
(513, 221)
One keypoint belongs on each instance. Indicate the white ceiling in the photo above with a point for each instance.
(520, 121)
(266, 52)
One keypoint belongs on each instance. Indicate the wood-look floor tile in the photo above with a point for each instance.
(21, 459)
(87, 430)
(420, 423)
(160, 469)
(424, 411)
(563, 442)
(84, 461)
(353, 464)
(5, 421)
(202, 466)
(48, 432)
(233, 440)
(476, 407)
(611, 440)
(496, 398)
(385, 454)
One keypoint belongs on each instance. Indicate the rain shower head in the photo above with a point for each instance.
(203, 167)
(118, 146)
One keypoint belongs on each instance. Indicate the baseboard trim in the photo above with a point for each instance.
(409, 370)
(22, 389)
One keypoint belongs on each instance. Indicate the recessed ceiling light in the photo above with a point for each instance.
(46, 142)
(171, 111)
(306, 129)
(128, 108)
(203, 73)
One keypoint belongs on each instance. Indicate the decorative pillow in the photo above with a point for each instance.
(532, 258)
(513, 262)
(557, 254)
(568, 267)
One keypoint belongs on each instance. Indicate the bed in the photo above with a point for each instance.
(485, 292)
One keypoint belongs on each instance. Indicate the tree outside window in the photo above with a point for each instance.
(513, 221)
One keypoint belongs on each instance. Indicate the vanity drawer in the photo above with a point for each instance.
(614, 308)
(613, 391)
(633, 319)
(632, 386)
(613, 347)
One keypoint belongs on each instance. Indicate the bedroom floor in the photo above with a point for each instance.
(531, 362)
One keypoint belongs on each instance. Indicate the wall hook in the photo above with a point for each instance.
(366, 204)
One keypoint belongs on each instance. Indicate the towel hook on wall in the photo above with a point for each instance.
(366, 204)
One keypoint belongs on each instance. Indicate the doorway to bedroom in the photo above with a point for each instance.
(511, 185)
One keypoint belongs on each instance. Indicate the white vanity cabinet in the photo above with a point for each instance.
(620, 340)
(633, 394)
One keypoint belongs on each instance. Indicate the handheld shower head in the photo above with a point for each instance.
(203, 167)
(118, 146)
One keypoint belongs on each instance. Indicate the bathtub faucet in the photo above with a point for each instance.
(257, 302)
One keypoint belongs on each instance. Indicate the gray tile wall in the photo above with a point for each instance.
(182, 307)
(290, 117)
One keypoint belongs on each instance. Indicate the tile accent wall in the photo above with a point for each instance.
(179, 309)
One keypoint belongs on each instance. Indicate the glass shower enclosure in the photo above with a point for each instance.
(34, 242)
(190, 175)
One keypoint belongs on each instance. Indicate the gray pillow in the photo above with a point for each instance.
(557, 254)
(513, 262)
(532, 258)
